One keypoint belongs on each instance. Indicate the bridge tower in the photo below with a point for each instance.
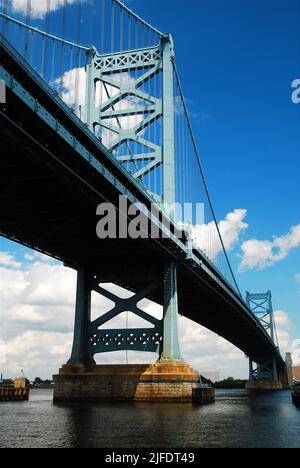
(170, 378)
(145, 155)
(263, 374)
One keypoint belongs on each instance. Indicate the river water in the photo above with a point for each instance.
(238, 419)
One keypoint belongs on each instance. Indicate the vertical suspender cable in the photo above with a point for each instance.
(45, 43)
(128, 165)
(77, 102)
(28, 18)
(62, 62)
(53, 61)
(101, 52)
(4, 21)
(20, 38)
(32, 48)
(136, 77)
(143, 128)
(112, 49)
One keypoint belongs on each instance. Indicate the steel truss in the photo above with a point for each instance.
(129, 100)
(261, 307)
(90, 338)
(136, 339)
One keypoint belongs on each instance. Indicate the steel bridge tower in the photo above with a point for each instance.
(264, 370)
(163, 338)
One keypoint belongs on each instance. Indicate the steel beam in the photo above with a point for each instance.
(81, 352)
(170, 349)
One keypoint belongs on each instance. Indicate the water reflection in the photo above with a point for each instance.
(238, 419)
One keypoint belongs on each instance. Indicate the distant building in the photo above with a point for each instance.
(212, 376)
(296, 372)
(289, 369)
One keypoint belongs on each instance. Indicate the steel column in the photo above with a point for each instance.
(170, 349)
(90, 92)
(168, 122)
(251, 370)
(81, 353)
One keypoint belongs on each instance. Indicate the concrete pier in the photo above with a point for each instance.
(264, 385)
(161, 382)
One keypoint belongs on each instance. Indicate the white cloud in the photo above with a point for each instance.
(297, 277)
(29, 257)
(7, 260)
(296, 352)
(207, 239)
(2, 352)
(283, 327)
(259, 254)
(39, 8)
(232, 227)
(39, 353)
(205, 351)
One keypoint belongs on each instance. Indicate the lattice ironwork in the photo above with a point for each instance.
(135, 339)
(265, 370)
(261, 307)
(128, 100)
(139, 339)
(122, 62)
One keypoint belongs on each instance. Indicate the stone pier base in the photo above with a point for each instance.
(161, 382)
(261, 385)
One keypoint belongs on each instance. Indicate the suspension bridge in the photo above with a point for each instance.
(94, 110)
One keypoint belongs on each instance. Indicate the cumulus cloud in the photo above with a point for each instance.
(283, 327)
(39, 8)
(38, 353)
(206, 235)
(7, 260)
(259, 254)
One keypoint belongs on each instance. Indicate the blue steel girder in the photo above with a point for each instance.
(129, 100)
(134, 339)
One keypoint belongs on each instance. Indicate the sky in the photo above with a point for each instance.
(237, 60)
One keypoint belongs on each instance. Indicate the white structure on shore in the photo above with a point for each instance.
(212, 376)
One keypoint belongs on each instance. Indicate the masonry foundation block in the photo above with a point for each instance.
(261, 385)
(160, 382)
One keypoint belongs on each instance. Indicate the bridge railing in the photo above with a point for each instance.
(106, 63)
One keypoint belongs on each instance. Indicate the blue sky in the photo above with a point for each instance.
(243, 56)
(237, 60)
